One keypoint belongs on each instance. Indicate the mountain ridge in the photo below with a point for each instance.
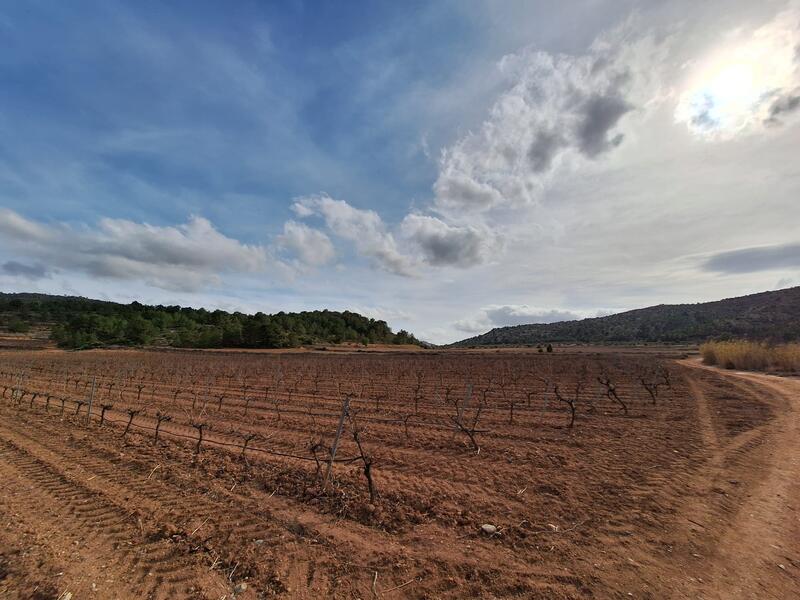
(772, 315)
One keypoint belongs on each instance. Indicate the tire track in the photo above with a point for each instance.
(96, 526)
(752, 547)
(162, 506)
(297, 546)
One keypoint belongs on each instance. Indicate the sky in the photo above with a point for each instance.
(447, 166)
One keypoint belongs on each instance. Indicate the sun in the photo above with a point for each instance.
(733, 87)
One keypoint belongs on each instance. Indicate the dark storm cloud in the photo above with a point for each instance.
(782, 105)
(18, 269)
(544, 149)
(601, 113)
(448, 245)
(750, 260)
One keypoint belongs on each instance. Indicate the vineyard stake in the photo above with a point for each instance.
(345, 407)
(465, 404)
(91, 400)
(16, 395)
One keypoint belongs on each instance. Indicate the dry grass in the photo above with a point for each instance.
(752, 356)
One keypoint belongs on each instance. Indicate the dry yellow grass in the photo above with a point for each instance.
(752, 356)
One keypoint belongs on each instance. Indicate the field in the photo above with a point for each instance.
(752, 356)
(613, 474)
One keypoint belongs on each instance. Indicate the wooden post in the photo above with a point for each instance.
(91, 401)
(465, 404)
(345, 408)
(16, 391)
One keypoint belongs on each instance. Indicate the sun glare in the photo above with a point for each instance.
(734, 86)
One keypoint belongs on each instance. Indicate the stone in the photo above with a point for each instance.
(240, 587)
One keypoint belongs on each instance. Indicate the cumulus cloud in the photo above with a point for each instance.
(18, 269)
(750, 260)
(364, 228)
(300, 209)
(601, 114)
(426, 239)
(543, 150)
(448, 245)
(185, 257)
(311, 246)
(520, 314)
(558, 108)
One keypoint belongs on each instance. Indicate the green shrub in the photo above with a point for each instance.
(18, 326)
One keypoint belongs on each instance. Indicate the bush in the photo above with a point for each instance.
(751, 356)
(18, 326)
(708, 353)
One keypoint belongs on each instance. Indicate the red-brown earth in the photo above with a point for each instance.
(694, 493)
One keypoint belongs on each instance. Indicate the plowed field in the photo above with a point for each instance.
(685, 485)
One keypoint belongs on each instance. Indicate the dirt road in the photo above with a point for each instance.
(752, 547)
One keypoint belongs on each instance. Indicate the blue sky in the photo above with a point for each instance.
(447, 166)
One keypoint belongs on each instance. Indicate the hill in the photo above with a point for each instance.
(765, 316)
(75, 322)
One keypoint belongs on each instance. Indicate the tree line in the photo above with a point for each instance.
(85, 323)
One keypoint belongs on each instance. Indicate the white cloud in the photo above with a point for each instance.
(364, 228)
(559, 109)
(442, 244)
(300, 209)
(426, 239)
(383, 313)
(184, 257)
(520, 314)
(311, 246)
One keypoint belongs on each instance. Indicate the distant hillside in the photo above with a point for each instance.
(765, 316)
(84, 323)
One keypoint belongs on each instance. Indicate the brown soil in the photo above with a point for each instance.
(695, 496)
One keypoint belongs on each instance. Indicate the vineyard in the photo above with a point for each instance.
(450, 474)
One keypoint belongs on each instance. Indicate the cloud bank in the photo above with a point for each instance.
(751, 260)
(557, 110)
(18, 269)
(520, 314)
(185, 257)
